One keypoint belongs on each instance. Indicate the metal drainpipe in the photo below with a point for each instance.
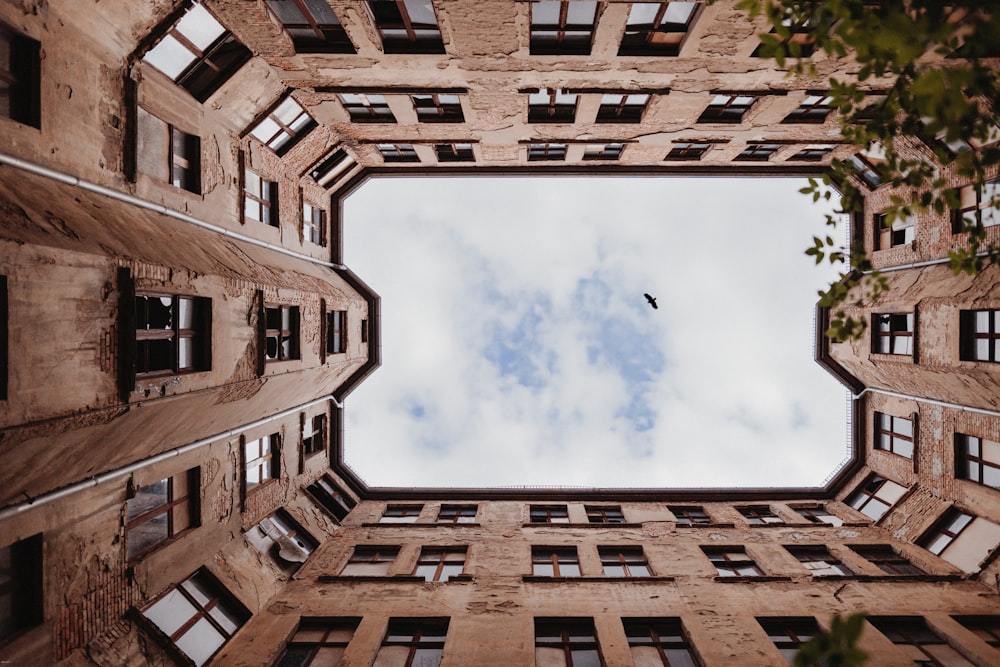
(96, 480)
(931, 401)
(74, 181)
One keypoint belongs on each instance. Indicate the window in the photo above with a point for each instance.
(732, 562)
(314, 224)
(20, 587)
(789, 633)
(440, 563)
(875, 497)
(3, 338)
(281, 332)
(318, 641)
(892, 333)
(813, 109)
(865, 170)
(283, 127)
(312, 25)
(260, 199)
(689, 515)
(261, 459)
(413, 642)
(284, 540)
(555, 562)
(979, 335)
(540, 152)
(398, 152)
(687, 150)
(921, 645)
(659, 641)
(401, 514)
(727, 109)
(331, 167)
(977, 460)
(962, 539)
(758, 515)
(407, 26)
(624, 562)
(622, 108)
(454, 153)
(198, 616)
(20, 78)
(603, 151)
(800, 43)
(551, 105)
(313, 434)
(198, 53)
(974, 200)
(561, 27)
(599, 514)
(367, 108)
(438, 108)
(986, 628)
(657, 28)
(457, 514)
(894, 434)
(159, 511)
(819, 561)
(370, 561)
(886, 559)
(336, 331)
(813, 153)
(185, 160)
(549, 514)
(327, 494)
(567, 642)
(757, 152)
(171, 334)
(818, 514)
(901, 232)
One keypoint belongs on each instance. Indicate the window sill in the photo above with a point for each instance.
(892, 577)
(768, 525)
(705, 525)
(369, 578)
(750, 580)
(531, 578)
(581, 525)
(403, 524)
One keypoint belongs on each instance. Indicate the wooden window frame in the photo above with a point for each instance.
(889, 329)
(628, 558)
(759, 152)
(187, 505)
(690, 515)
(285, 134)
(810, 553)
(728, 565)
(199, 335)
(438, 558)
(330, 167)
(457, 513)
(758, 515)
(550, 105)
(570, 39)
(267, 463)
(398, 152)
(280, 334)
(610, 151)
(558, 558)
(312, 34)
(369, 554)
(548, 514)
(722, 110)
(314, 224)
(315, 442)
(889, 439)
(546, 152)
(812, 153)
(866, 493)
(964, 458)
(366, 107)
(887, 558)
(417, 634)
(184, 159)
(659, 37)
(944, 530)
(455, 152)
(431, 108)
(416, 37)
(265, 201)
(570, 633)
(21, 77)
(604, 514)
(625, 110)
(815, 514)
(984, 626)
(22, 585)
(816, 108)
(789, 633)
(970, 333)
(911, 631)
(314, 634)
(331, 497)
(688, 150)
(404, 512)
(666, 635)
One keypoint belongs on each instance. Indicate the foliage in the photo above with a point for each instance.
(925, 60)
(836, 648)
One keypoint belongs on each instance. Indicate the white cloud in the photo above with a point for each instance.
(518, 349)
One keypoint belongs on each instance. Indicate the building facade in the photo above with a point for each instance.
(180, 330)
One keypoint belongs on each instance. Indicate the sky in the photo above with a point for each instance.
(518, 349)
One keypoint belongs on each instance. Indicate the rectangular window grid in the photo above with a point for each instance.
(260, 199)
(454, 152)
(727, 109)
(331, 497)
(314, 224)
(875, 496)
(819, 561)
(894, 434)
(457, 514)
(407, 26)
(901, 232)
(979, 335)
(624, 562)
(657, 28)
(977, 460)
(892, 333)
(601, 514)
(282, 332)
(659, 641)
(440, 563)
(261, 461)
(758, 515)
(398, 152)
(622, 107)
(318, 642)
(865, 170)
(542, 152)
(548, 514)
(555, 562)
(313, 434)
(171, 334)
(401, 514)
(184, 160)
(732, 562)
(561, 27)
(818, 514)
(370, 561)
(690, 515)
(159, 511)
(921, 645)
(813, 109)
(551, 105)
(438, 108)
(336, 331)
(413, 642)
(789, 633)
(945, 530)
(687, 150)
(983, 201)
(813, 153)
(886, 558)
(611, 151)
(332, 166)
(312, 25)
(367, 108)
(282, 128)
(757, 152)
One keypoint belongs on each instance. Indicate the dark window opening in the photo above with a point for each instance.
(683, 150)
(657, 28)
(603, 151)
(172, 334)
(977, 460)
(457, 514)
(550, 105)
(624, 562)
(813, 109)
(331, 498)
(561, 27)
(567, 641)
(732, 562)
(331, 167)
(454, 153)
(283, 127)
(438, 108)
(160, 511)
(979, 335)
(318, 642)
(622, 108)
(185, 160)
(312, 25)
(313, 434)
(690, 515)
(440, 563)
(892, 333)
(336, 332)
(281, 341)
(20, 78)
(261, 461)
(260, 199)
(727, 109)
(542, 152)
(789, 633)
(555, 562)
(886, 558)
(598, 514)
(20, 587)
(659, 641)
(813, 153)
(407, 26)
(314, 224)
(758, 152)
(367, 108)
(398, 152)
(413, 642)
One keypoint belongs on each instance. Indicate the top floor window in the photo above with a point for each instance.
(759, 515)
(977, 459)
(727, 109)
(818, 514)
(979, 335)
(622, 107)
(567, 641)
(892, 333)
(407, 26)
(198, 53)
(974, 201)
(283, 127)
(331, 167)
(657, 28)
(457, 514)
(598, 514)
(875, 497)
(20, 78)
(813, 109)
(312, 25)
(549, 514)
(894, 434)
(550, 105)
(693, 515)
(561, 27)
(401, 514)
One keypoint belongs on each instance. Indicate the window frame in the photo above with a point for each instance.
(330, 167)
(266, 460)
(289, 530)
(558, 558)
(266, 200)
(868, 492)
(609, 151)
(604, 514)
(336, 332)
(970, 334)
(568, 634)
(398, 152)
(666, 635)
(285, 135)
(548, 514)
(690, 515)
(184, 159)
(22, 79)
(291, 334)
(461, 512)
(401, 514)
(915, 632)
(546, 151)
(814, 513)
(759, 515)
(789, 633)
(892, 329)
(728, 108)
(326, 37)
(812, 153)
(314, 224)
(315, 442)
(688, 150)
(627, 558)
(965, 459)
(625, 110)
(985, 626)
(437, 558)
(310, 626)
(374, 555)
(569, 39)
(819, 553)
(419, 635)
(889, 439)
(729, 565)
(659, 37)
(901, 232)
(552, 105)
(437, 110)
(23, 586)
(366, 107)
(199, 335)
(887, 558)
(758, 152)
(815, 108)
(333, 499)
(455, 152)
(413, 42)
(973, 198)
(943, 532)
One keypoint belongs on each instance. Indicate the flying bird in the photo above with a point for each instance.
(651, 300)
